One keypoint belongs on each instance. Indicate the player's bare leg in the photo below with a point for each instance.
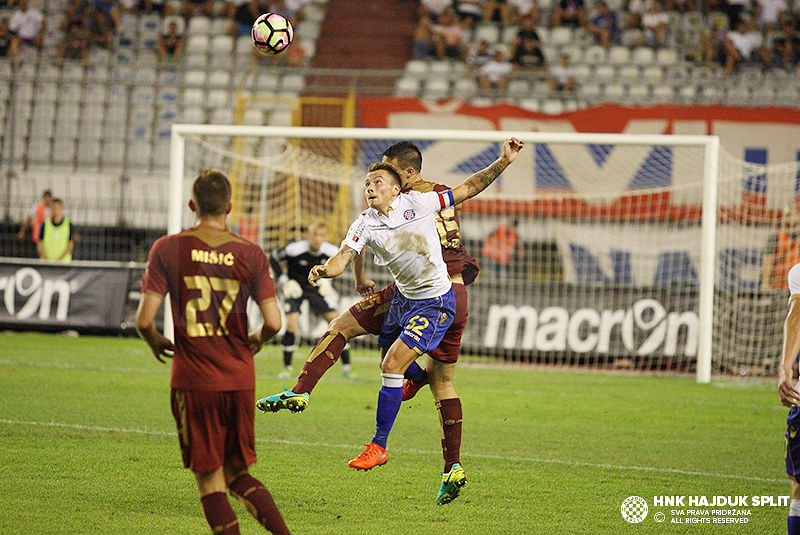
(328, 349)
(448, 404)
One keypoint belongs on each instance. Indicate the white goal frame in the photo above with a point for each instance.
(711, 155)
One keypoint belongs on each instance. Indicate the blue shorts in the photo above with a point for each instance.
(419, 323)
(793, 443)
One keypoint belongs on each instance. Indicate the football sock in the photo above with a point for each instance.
(289, 347)
(259, 503)
(450, 418)
(219, 514)
(330, 345)
(415, 373)
(793, 525)
(389, 399)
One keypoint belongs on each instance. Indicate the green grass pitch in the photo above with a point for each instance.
(87, 445)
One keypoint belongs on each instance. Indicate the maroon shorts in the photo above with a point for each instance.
(215, 428)
(371, 311)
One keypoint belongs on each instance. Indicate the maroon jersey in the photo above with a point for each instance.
(209, 275)
(448, 225)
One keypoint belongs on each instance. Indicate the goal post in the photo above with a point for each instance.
(631, 192)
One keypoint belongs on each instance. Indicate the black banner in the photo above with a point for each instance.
(64, 296)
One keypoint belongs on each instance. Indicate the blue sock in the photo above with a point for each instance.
(793, 523)
(415, 373)
(389, 399)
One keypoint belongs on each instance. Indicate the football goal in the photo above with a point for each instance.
(598, 251)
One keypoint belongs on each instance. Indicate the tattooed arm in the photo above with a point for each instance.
(481, 180)
(334, 267)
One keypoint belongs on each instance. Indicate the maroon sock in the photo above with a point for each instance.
(219, 514)
(450, 418)
(330, 347)
(259, 503)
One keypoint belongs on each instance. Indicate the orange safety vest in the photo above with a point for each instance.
(787, 254)
(40, 214)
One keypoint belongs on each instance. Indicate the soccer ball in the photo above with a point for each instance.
(272, 33)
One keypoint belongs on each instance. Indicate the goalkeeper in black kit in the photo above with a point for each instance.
(299, 257)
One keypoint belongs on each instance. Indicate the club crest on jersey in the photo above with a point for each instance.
(409, 214)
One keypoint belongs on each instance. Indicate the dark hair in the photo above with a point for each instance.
(47, 192)
(406, 154)
(211, 192)
(58, 200)
(386, 166)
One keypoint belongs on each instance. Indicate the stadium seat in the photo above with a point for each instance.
(605, 72)
(615, 91)
(666, 57)
(281, 117)
(653, 73)
(639, 92)
(643, 55)
(416, 67)
(530, 104)
(629, 72)
(72, 72)
(619, 55)
(465, 88)
(560, 36)
(590, 91)
(219, 98)
(98, 73)
(552, 106)
(43, 118)
(221, 116)
(48, 72)
(193, 97)
(194, 78)
(487, 32)
(575, 53)
(89, 150)
(595, 54)
(292, 83)
(518, 88)
(441, 69)
(219, 79)
(64, 150)
(254, 117)
(199, 25)
(407, 86)
(738, 95)
(436, 89)
(688, 93)
(91, 121)
(220, 26)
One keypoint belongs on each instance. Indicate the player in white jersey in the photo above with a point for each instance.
(790, 396)
(401, 232)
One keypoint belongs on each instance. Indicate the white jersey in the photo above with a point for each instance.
(793, 278)
(407, 242)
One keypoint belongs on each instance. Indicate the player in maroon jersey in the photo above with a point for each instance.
(367, 316)
(209, 274)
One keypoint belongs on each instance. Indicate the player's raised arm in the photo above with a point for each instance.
(334, 267)
(481, 180)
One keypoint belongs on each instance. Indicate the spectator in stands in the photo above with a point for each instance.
(469, 12)
(28, 25)
(198, 7)
(787, 46)
(422, 43)
(680, 6)
(479, 55)
(56, 241)
(448, 37)
(498, 11)
(528, 56)
(39, 214)
(744, 45)
(783, 251)
(243, 13)
(655, 23)
(102, 22)
(604, 25)
(493, 75)
(8, 44)
(635, 9)
(734, 9)
(152, 6)
(170, 45)
(527, 30)
(570, 13)
(434, 9)
(517, 9)
(564, 76)
(74, 44)
(769, 13)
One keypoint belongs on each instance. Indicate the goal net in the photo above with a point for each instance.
(598, 251)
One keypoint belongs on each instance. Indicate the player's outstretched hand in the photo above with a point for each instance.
(790, 397)
(511, 148)
(162, 348)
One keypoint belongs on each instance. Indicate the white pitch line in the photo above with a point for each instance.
(94, 428)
